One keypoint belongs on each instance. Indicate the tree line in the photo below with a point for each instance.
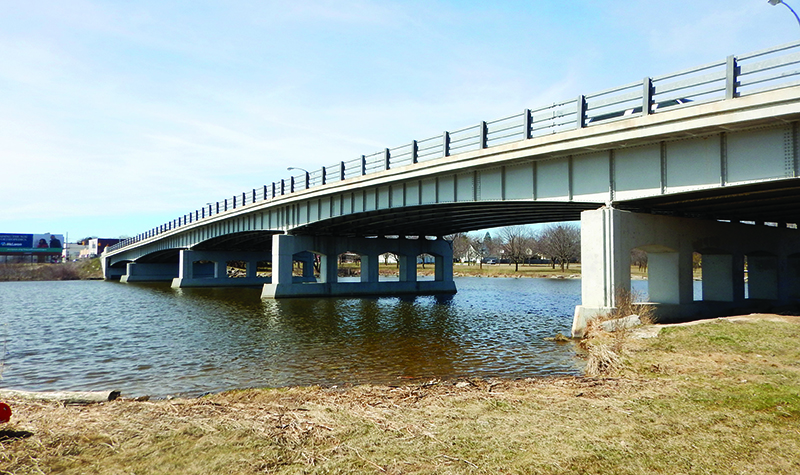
(559, 244)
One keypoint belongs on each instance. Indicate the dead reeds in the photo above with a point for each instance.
(606, 335)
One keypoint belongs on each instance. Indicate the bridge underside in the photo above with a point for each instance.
(776, 201)
(445, 218)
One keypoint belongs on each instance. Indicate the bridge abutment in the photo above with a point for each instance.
(287, 248)
(742, 265)
(149, 272)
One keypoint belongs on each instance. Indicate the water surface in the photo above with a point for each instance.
(150, 339)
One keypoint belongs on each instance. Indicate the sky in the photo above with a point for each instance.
(118, 116)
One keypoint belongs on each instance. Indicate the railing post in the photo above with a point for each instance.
(341, 171)
(731, 77)
(387, 157)
(324, 175)
(446, 144)
(283, 186)
(291, 184)
(647, 96)
(363, 165)
(254, 195)
(244, 198)
(265, 192)
(526, 124)
(581, 110)
(483, 135)
(414, 151)
(273, 189)
(308, 180)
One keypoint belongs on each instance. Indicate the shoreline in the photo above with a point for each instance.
(668, 408)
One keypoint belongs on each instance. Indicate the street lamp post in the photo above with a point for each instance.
(308, 175)
(775, 2)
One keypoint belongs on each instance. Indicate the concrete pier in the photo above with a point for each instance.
(286, 248)
(209, 269)
(742, 264)
(139, 272)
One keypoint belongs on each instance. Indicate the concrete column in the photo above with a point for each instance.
(282, 259)
(663, 274)
(718, 277)
(408, 267)
(329, 266)
(793, 277)
(185, 265)
(762, 277)
(605, 264)
(369, 268)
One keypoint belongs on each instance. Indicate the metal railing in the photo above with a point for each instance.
(736, 76)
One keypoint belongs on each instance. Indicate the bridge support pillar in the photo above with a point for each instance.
(286, 250)
(210, 269)
(149, 272)
(742, 266)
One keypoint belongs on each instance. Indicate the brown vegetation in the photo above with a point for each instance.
(80, 270)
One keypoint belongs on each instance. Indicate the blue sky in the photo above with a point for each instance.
(117, 116)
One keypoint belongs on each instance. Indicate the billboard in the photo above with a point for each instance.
(31, 243)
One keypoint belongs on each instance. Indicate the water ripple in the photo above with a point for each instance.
(154, 340)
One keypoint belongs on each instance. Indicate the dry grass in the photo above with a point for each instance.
(604, 350)
(84, 269)
(717, 398)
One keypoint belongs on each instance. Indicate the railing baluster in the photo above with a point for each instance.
(581, 119)
(731, 77)
(647, 96)
(526, 124)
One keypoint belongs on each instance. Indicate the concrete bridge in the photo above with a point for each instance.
(700, 161)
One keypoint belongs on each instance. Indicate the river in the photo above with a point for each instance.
(150, 339)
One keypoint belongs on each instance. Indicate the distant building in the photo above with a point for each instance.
(72, 251)
(95, 246)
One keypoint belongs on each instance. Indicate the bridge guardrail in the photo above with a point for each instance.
(736, 76)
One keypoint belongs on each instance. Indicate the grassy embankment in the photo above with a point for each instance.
(716, 398)
(81, 270)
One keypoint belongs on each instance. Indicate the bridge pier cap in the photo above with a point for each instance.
(609, 235)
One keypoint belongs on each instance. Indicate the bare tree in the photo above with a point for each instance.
(482, 245)
(461, 246)
(516, 244)
(639, 258)
(561, 243)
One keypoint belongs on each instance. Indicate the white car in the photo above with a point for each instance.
(635, 110)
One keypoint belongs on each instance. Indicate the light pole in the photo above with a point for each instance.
(775, 2)
(308, 176)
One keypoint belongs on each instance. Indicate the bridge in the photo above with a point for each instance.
(703, 160)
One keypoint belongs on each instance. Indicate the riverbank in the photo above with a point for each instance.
(84, 269)
(719, 397)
